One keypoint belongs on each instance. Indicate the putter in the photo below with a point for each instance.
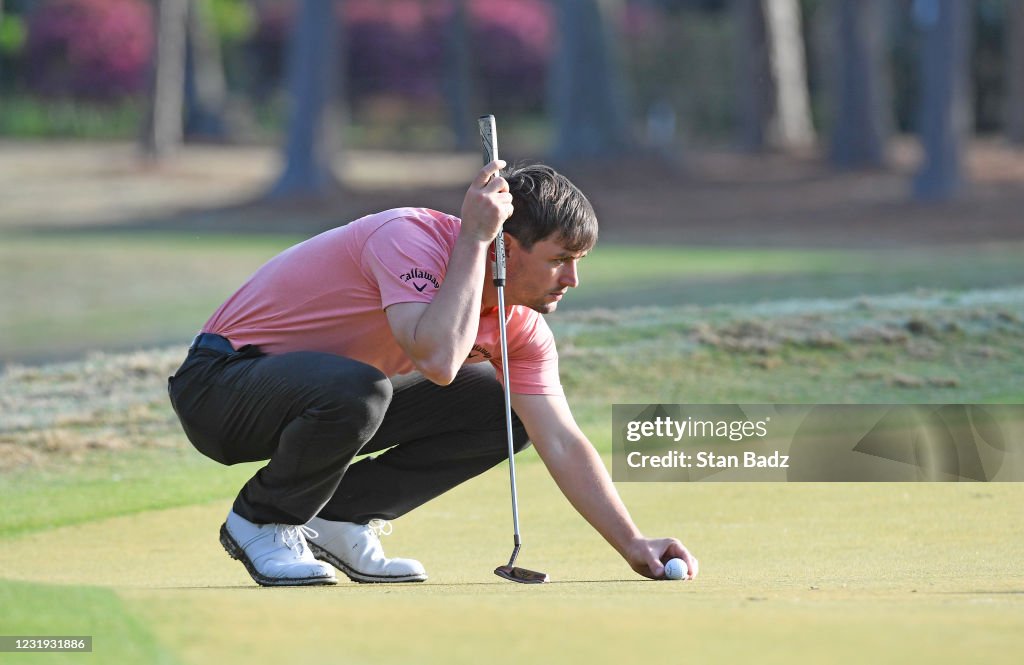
(511, 572)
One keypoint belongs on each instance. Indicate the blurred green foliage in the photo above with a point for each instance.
(234, 21)
(29, 117)
(12, 35)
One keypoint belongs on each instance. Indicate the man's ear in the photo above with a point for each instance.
(510, 243)
(509, 239)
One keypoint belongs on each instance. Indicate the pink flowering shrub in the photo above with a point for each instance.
(97, 49)
(396, 48)
(513, 42)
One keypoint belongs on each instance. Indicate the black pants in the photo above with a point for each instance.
(311, 413)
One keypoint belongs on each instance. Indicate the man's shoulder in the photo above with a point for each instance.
(410, 245)
(404, 220)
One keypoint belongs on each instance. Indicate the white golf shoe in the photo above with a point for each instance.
(355, 550)
(274, 554)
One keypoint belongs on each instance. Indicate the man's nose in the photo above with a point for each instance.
(570, 275)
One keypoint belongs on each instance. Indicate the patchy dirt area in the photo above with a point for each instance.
(712, 198)
(105, 402)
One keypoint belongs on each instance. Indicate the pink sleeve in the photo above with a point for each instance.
(405, 260)
(533, 366)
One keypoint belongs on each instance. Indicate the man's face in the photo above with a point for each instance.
(538, 278)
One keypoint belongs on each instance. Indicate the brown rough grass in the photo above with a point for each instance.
(104, 402)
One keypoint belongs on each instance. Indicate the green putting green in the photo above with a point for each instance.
(790, 573)
(109, 521)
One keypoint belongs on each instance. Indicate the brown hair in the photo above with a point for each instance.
(547, 205)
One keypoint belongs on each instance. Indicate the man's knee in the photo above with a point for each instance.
(377, 392)
(356, 393)
(373, 403)
(520, 439)
(489, 398)
(497, 438)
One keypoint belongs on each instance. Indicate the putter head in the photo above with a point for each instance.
(521, 575)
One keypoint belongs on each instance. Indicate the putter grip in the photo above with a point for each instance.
(489, 140)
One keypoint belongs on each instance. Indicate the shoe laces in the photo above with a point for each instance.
(379, 527)
(294, 536)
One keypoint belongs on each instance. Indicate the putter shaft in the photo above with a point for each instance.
(489, 138)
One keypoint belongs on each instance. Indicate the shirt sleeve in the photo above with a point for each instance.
(533, 357)
(406, 260)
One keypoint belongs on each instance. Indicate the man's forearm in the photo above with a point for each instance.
(444, 334)
(582, 477)
(438, 339)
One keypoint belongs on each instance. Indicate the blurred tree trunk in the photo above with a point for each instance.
(862, 105)
(755, 89)
(162, 126)
(458, 85)
(791, 126)
(314, 119)
(773, 102)
(944, 113)
(205, 87)
(586, 91)
(1015, 73)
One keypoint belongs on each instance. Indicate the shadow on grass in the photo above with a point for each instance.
(398, 585)
(305, 216)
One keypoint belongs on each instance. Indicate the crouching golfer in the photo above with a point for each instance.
(381, 336)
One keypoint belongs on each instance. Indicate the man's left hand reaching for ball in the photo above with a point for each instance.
(648, 557)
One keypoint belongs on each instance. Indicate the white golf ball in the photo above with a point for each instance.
(676, 569)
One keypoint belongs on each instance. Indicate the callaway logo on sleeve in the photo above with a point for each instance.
(420, 279)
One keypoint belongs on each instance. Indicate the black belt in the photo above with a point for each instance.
(212, 342)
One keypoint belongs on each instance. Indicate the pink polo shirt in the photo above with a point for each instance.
(329, 294)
